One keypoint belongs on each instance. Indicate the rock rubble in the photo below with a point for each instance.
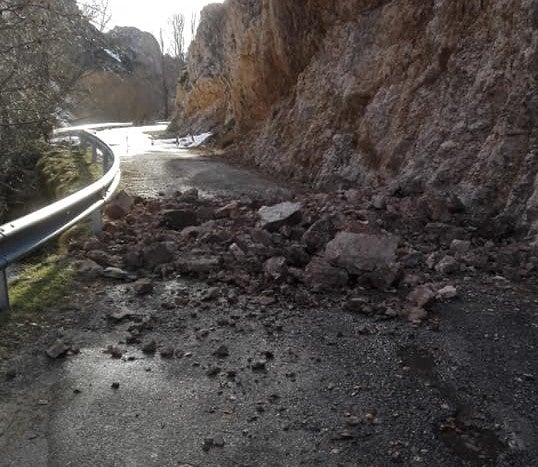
(386, 258)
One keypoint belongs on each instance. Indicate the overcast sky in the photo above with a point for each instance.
(151, 15)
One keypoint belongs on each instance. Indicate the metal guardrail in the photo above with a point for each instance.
(23, 235)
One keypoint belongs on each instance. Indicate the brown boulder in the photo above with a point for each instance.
(359, 252)
(119, 206)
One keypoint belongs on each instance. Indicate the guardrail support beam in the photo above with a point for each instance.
(97, 221)
(94, 153)
(4, 293)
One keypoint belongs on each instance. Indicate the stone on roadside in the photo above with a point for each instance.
(416, 314)
(229, 210)
(274, 217)
(167, 352)
(158, 253)
(378, 202)
(275, 268)
(221, 352)
(358, 252)
(179, 219)
(197, 265)
(143, 286)
(359, 305)
(115, 273)
(149, 346)
(190, 195)
(259, 366)
(88, 268)
(57, 350)
(447, 293)
(237, 252)
(119, 206)
(421, 296)
(447, 265)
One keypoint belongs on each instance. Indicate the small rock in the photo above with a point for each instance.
(416, 314)
(274, 217)
(213, 371)
(343, 435)
(259, 366)
(210, 294)
(218, 441)
(115, 385)
(167, 352)
(358, 305)
(275, 268)
(447, 265)
(57, 350)
(237, 252)
(378, 202)
(320, 275)
(149, 347)
(114, 351)
(88, 268)
(179, 219)
(353, 420)
(446, 293)
(421, 296)
(115, 273)
(143, 286)
(221, 352)
(158, 253)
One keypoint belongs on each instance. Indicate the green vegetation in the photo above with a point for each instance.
(66, 170)
(45, 279)
(41, 286)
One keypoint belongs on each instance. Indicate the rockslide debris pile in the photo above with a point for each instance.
(433, 97)
(387, 257)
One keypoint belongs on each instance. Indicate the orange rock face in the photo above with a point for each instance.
(421, 96)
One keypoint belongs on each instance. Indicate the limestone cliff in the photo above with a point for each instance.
(422, 96)
(124, 78)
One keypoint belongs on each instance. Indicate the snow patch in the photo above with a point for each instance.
(113, 54)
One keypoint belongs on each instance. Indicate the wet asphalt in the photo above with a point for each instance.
(300, 385)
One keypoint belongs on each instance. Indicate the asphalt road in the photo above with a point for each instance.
(298, 386)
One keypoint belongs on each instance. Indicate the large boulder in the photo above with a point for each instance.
(360, 252)
(274, 217)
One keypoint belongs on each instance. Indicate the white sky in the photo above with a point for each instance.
(151, 15)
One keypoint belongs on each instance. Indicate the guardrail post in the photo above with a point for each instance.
(4, 293)
(94, 153)
(97, 221)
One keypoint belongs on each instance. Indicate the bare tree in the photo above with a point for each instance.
(177, 31)
(163, 76)
(98, 12)
(39, 48)
(194, 24)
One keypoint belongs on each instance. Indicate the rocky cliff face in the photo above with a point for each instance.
(125, 77)
(409, 97)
